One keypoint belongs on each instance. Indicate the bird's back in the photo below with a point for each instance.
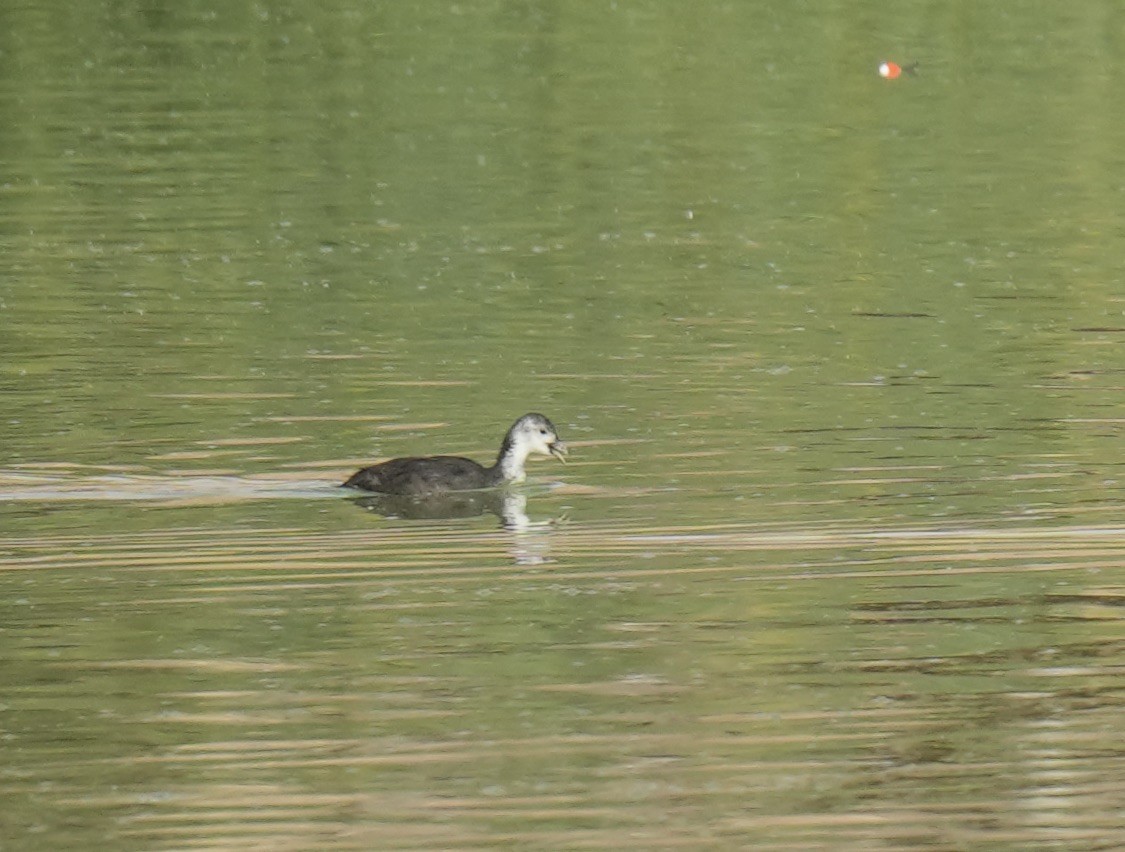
(421, 476)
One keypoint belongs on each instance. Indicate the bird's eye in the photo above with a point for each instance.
(542, 431)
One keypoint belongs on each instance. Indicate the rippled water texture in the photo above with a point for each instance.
(838, 558)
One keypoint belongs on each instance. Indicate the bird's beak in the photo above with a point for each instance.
(558, 450)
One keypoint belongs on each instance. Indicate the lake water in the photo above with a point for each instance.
(838, 561)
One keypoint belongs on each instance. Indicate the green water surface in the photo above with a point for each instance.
(838, 559)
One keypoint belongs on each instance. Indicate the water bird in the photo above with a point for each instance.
(423, 476)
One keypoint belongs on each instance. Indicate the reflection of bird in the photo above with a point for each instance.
(508, 505)
(421, 476)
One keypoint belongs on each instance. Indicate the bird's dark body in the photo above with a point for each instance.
(424, 475)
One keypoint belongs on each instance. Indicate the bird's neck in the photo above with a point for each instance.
(510, 462)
